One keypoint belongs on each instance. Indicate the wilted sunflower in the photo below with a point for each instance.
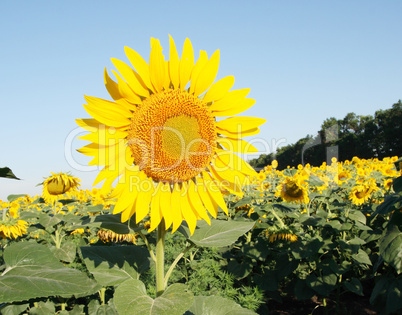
(13, 228)
(161, 135)
(58, 184)
(292, 190)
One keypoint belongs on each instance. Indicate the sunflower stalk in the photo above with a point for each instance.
(160, 259)
(144, 238)
(278, 218)
(173, 265)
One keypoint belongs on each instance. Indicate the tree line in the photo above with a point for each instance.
(354, 135)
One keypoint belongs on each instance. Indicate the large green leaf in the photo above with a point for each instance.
(112, 265)
(6, 172)
(216, 305)
(66, 252)
(32, 271)
(387, 294)
(130, 298)
(113, 222)
(390, 247)
(219, 234)
(362, 257)
(354, 286)
(11, 198)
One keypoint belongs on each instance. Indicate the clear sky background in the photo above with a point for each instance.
(304, 61)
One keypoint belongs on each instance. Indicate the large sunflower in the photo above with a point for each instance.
(162, 137)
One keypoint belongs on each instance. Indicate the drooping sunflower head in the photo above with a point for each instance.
(58, 184)
(292, 190)
(13, 228)
(163, 136)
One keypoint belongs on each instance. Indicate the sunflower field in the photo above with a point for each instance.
(297, 234)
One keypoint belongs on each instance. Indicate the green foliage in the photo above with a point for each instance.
(32, 271)
(131, 298)
(6, 172)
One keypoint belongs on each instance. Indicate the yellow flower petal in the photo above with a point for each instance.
(186, 209)
(125, 90)
(165, 204)
(196, 203)
(214, 191)
(199, 65)
(173, 63)
(219, 89)
(206, 199)
(157, 65)
(239, 125)
(107, 112)
(186, 63)
(144, 197)
(156, 213)
(236, 145)
(237, 108)
(207, 74)
(140, 65)
(132, 78)
(229, 100)
(234, 161)
(175, 206)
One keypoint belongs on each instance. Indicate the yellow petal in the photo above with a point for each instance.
(235, 162)
(175, 206)
(105, 135)
(199, 65)
(186, 63)
(156, 214)
(128, 94)
(238, 134)
(140, 65)
(132, 78)
(206, 199)
(236, 108)
(236, 145)
(165, 204)
(196, 203)
(157, 65)
(219, 89)
(106, 112)
(144, 198)
(240, 124)
(186, 209)
(207, 75)
(173, 63)
(229, 100)
(228, 180)
(89, 124)
(214, 191)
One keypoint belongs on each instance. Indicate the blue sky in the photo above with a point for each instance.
(304, 61)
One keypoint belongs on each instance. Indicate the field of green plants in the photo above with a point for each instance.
(298, 234)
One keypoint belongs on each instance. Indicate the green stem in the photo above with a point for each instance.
(102, 295)
(4, 214)
(169, 272)
(144, 238)
(160, 259)
(278, 218)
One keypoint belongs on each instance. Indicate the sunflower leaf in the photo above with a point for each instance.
(219, 234)
(32, 271)
(130, 297)
(113, 265)
(216, 305)
(6, 172)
